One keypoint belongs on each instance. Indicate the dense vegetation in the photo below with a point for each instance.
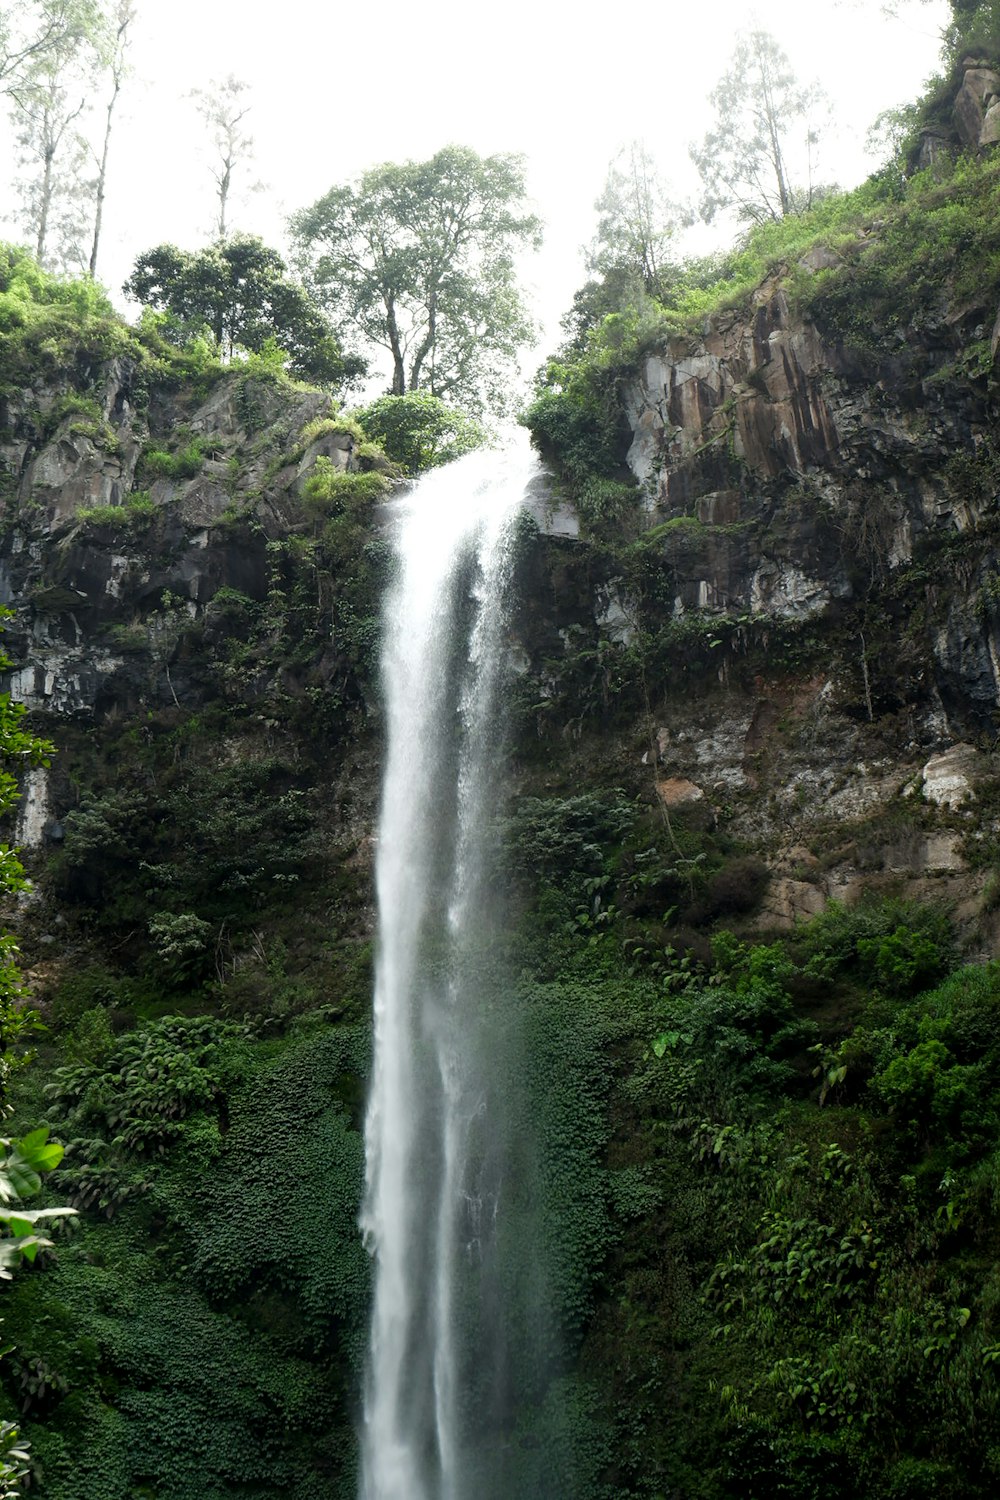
(798, 1152)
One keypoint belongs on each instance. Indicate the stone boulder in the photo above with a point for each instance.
(975, 103)
(948, 778)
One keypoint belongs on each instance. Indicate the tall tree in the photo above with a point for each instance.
(238, 292)
(224, 106)
(761, 117)
(52, 94)
(637, 221)
(418, 259)
(121, 18)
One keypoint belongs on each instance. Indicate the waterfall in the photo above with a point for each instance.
(434, 1134)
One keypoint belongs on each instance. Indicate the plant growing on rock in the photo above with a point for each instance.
(419, 431)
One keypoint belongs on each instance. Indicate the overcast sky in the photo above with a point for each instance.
(336, 89)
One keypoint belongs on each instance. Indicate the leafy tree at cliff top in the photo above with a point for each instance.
(420, 431)
(238, 293)
(418, 259)
(761, 118)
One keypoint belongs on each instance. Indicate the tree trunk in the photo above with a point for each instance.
(44, 202)
(102, 177)
(395, 347)
(225, 179)
(126, 14)
(427, 346)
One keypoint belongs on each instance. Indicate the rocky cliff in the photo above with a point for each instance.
(811, 578)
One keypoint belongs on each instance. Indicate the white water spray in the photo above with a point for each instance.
(433, 1180)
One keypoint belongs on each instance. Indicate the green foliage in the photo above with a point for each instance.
(134, 514)
(837, 1315)
(419, 431)
(335, 490)
(207, 1338)
(576, 421)
(21, 1168)
(237, 292)
(418, 260)
(974, 29)
(181, 944)
(340, 426)
(566, 840)
(895, 945)
(19, 751)
(50, 325)
(22, 1164)
(185, 464)
(243, 828)
(938, 243)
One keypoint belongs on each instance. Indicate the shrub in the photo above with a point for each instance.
(335, 490)
(419, 431)
(185, 464)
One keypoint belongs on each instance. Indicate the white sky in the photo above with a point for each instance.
(337, 89)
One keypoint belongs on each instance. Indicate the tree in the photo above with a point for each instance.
(52, 92)
(121, 19)
(636, 223)
(419, 431)
(224, 107)
(27, 32)
(238, 292)
(418, 259)
(760, 110)
(628, 259)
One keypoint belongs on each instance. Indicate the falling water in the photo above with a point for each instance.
(434, 1152)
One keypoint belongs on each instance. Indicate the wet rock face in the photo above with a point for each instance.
(817, 471)
(101, 602)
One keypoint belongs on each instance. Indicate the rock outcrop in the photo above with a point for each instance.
(797, 470)
(104, 580)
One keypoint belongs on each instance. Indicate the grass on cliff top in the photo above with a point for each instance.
(896, 251)
(901, 244)
(49, 324)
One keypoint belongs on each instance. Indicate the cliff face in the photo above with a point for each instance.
(819, 518)
(765, 418)
(85, 559)
(814, 583)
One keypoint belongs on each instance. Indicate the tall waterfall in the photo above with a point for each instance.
(435, 1163)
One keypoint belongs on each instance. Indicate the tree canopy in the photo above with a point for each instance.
(417, 259)
(240, 295)
(49, 87)
(636, 224)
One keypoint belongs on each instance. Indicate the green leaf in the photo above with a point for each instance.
(23, 1179)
